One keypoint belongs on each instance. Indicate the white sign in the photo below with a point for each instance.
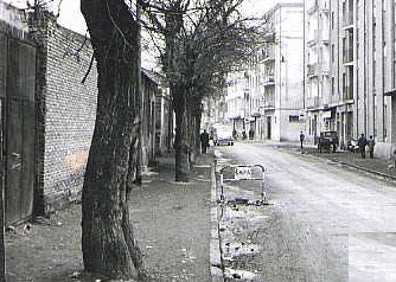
(243, 173)
(326, 114)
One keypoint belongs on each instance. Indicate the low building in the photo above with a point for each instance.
(48, 115)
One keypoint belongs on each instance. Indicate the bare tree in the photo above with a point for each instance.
(203, 40)
(108, 242)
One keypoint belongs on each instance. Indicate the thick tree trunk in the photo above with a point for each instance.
(108, 242)
(182, 147)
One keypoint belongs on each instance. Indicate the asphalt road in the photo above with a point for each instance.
(326, 223)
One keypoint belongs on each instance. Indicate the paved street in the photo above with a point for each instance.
(325, 222)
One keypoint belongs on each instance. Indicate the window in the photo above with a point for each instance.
(294, 119)
(332, 20)
(332, 86)
(332, 53)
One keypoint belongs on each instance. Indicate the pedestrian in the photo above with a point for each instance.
(251, 134)
(204, 137)
(302, 138)
(371, 144)
(244, 136)
(362, 142)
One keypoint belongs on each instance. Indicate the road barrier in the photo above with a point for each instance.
(237, 173)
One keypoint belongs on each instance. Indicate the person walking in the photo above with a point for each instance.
(204, 137)
(302, 138)
(362, 142)
(371, 144)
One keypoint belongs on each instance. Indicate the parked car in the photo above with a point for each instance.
(222, 135)
(328, 140)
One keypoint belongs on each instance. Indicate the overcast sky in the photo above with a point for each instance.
(71, 17)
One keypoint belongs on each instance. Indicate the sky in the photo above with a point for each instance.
(71, 17)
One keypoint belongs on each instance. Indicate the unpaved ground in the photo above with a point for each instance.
(326, 223)
(172, 224)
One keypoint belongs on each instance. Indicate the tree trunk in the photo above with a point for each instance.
(197, 129)
(182, 148)
(108, 242)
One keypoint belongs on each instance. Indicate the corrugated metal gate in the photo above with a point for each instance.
(18, 123)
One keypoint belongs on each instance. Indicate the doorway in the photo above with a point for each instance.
(269, 128)
(18, 122)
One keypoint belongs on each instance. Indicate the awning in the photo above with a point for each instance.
(390, 93)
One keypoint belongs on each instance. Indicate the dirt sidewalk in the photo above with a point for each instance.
(171, 220)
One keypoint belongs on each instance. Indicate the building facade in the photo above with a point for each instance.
(282, 71)
(350, 70)
(237, 99)
(47, 115)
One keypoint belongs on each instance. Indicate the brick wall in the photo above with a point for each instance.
(67, 110)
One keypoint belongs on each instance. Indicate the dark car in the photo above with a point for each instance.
(328, 140)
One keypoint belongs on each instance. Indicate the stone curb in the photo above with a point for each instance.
(216, 264)
(357, 167)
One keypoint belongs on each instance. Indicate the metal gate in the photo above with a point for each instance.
(18, 122)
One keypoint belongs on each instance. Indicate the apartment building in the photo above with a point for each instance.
(350, 70)
(318, 96)
(237, 98)
(282, 70)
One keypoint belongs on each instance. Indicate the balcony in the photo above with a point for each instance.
(269, 104)
(312, 9)
(313, 69)
(348, 56)
(269, 81)
(325, 68)
(313, 102)
(269, 55)
(325, 38)
(325, 9)
(314, 39)
(348, 20)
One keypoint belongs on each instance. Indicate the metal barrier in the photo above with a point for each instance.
(244, 173)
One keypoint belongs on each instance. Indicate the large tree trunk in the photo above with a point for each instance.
(182, 147)
(108, 242)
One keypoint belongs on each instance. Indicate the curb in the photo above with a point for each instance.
(378, 174)
(216, 264)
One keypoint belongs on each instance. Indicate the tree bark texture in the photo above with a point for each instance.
(182, 146)
(108, 242)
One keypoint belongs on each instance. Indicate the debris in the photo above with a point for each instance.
(41, 220)
(76, 274)
(10, 228)
(27, 227)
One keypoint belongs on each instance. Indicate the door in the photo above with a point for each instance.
(269, 129)
(20, 130)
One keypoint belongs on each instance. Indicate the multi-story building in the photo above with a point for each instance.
(350, 70)
(283, 73)
(237, 98)
(318, 96)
